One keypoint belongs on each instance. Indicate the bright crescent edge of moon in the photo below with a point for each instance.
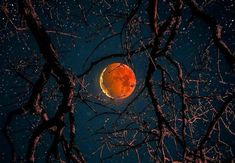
(101, 84)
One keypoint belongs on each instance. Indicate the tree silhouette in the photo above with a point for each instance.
(183, 106)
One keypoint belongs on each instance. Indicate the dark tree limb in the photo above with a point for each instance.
(212, 125)
(63, 77)
(216, 31)
(33, 105)
(176, 19)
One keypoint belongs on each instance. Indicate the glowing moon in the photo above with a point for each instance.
(117, 81)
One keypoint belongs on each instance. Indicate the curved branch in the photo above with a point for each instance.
(211, 127)
(216, 29)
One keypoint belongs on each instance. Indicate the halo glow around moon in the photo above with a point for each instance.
(117, 81)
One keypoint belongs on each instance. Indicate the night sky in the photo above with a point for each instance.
(90, 34)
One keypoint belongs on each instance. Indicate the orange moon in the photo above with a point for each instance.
(117, 81)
